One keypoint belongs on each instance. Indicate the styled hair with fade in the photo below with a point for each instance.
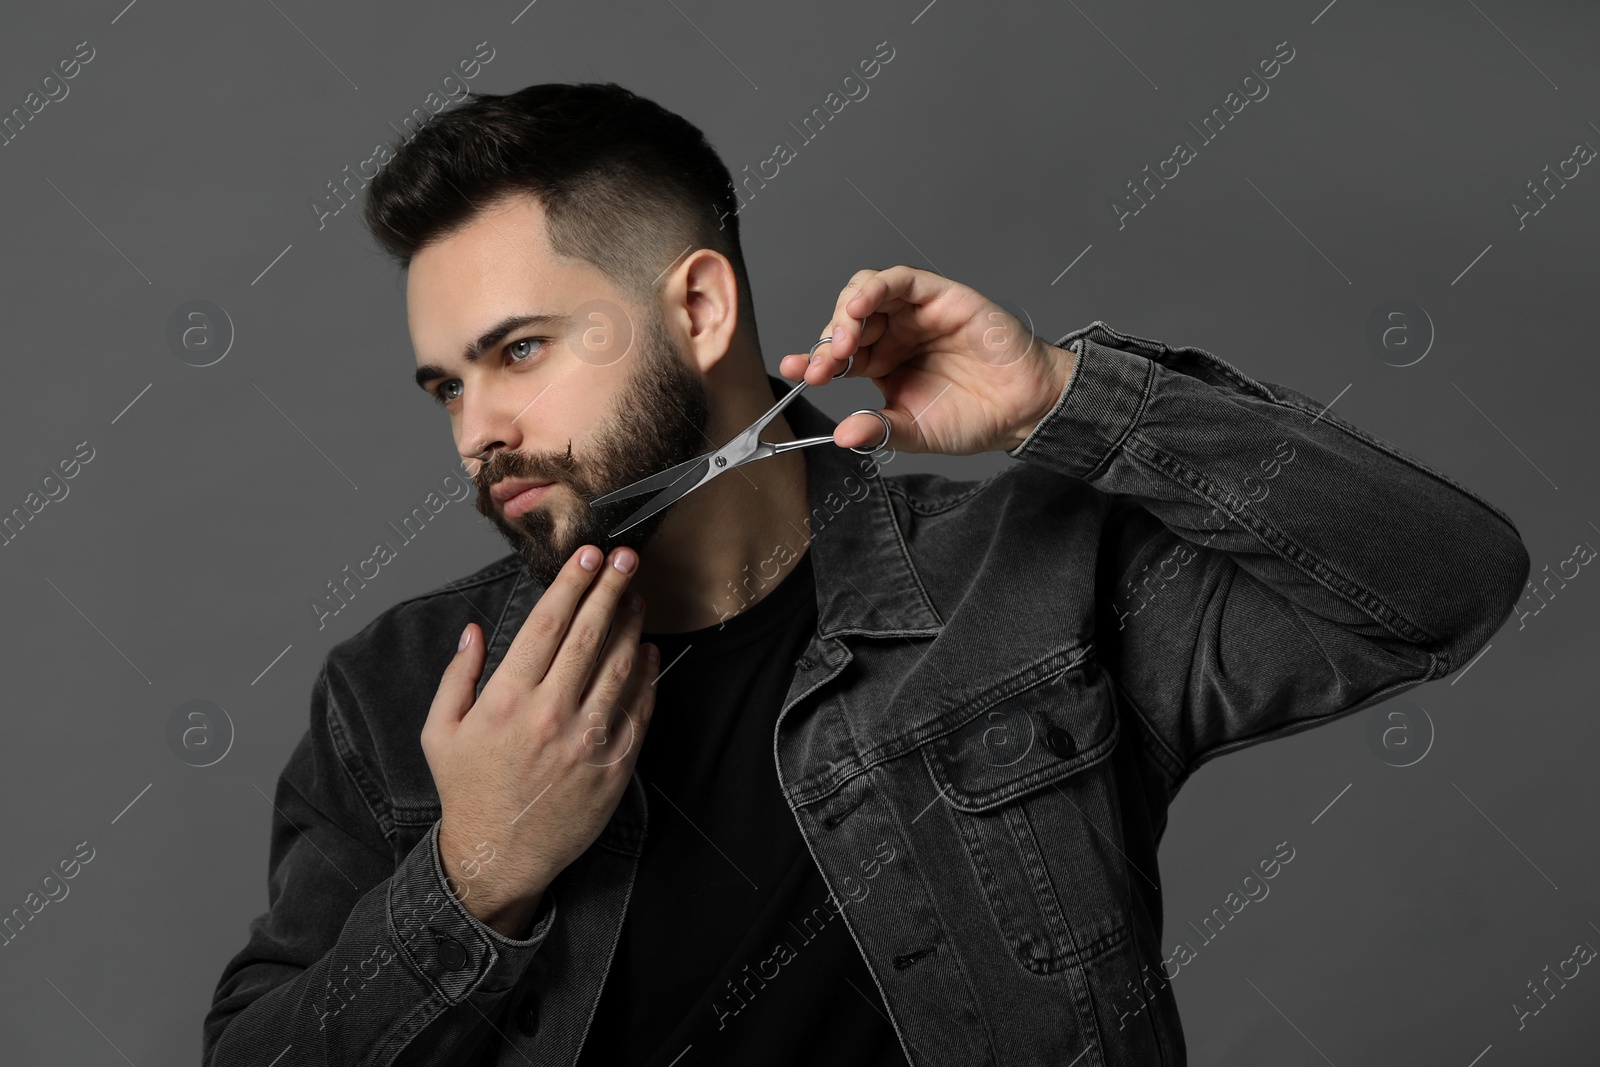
(625, 184)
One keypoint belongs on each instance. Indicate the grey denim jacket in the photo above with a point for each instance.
(1009, 682)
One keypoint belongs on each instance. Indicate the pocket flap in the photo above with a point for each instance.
(1020, 741)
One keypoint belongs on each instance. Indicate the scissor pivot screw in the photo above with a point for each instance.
(722, 461)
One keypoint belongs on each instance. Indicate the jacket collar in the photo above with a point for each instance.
(866, 582)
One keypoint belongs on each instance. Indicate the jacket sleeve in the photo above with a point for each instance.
(1265, 566)
(359, 959)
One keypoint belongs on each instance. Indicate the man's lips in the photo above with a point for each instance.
(507, 488)
(517, 495)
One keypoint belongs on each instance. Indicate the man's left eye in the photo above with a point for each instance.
(530, 341)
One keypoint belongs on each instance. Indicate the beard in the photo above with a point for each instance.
(659, 421)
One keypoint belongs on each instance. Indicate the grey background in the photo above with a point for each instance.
(182, 562)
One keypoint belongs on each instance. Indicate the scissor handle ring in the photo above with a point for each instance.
(887, 430)
(849, 361)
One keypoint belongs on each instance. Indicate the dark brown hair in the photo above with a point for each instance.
(624, 183)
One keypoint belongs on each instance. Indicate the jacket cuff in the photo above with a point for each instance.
(1100, 405)
(445, 943)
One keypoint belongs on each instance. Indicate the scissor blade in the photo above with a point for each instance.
(684, 485)
(655, 481)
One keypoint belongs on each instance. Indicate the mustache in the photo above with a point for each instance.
(554, 467)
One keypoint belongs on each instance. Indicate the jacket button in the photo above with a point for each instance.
(528, 1016)
(1059, 741)
(452, 954)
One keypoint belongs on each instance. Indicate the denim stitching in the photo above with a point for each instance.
(1133, 423)
(900, 539)
(373, 797)
(940, 505)
(1159, 462)
(485, 576)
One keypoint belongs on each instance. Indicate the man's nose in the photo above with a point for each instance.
(490, 424)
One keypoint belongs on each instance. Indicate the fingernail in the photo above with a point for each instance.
(838, 334)
(466, 639)
(635, 601)
(624, 561)
(589, 558)
(652, 653)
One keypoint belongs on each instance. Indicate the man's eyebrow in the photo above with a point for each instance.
(492, 336)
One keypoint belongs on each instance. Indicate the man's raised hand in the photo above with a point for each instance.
(535, 767)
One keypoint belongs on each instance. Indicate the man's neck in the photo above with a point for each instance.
(729, 543)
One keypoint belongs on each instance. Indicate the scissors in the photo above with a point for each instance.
(677, 482)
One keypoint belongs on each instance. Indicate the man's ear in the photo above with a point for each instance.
(701, 301)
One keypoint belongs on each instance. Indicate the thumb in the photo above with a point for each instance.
(863, 429)
(458, 685)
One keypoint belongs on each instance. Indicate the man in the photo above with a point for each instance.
(917, 737)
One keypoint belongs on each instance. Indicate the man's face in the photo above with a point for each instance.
(587, 397)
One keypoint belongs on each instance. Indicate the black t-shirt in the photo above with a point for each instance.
(715, 955)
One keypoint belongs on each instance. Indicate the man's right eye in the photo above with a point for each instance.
(448, 391)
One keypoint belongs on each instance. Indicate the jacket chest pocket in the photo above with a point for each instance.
(1030, 786)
